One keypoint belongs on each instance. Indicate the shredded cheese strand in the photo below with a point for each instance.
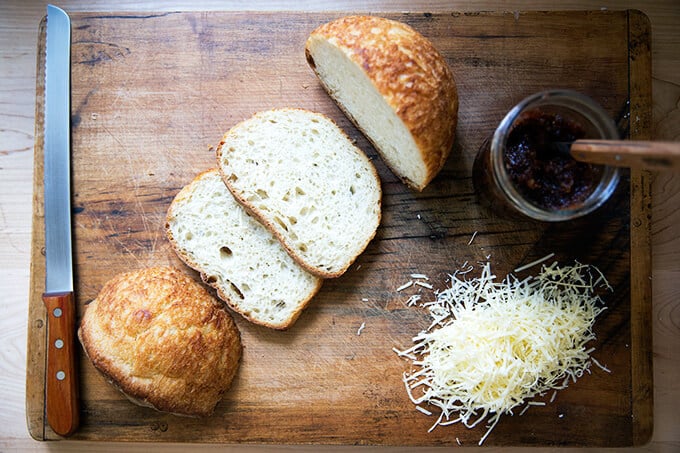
(533, 263)
(494, 346)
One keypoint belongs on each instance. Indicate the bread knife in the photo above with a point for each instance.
(61, 384)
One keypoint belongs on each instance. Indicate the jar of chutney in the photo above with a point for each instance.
(518, 170)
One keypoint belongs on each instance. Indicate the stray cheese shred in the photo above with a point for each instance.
(493, 345)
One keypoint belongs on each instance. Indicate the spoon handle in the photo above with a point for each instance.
(626, 153)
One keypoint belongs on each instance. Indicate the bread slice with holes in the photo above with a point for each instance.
(303, 178)
(237, 255)
(394, 86)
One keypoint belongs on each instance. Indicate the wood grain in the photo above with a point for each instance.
(62, 410)
(36, 346)
(641, 212)
(649, 155)
(152, 91)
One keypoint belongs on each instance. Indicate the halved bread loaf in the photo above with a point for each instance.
(236, 255)
(302, 177)
(163, 340)
(394, 86)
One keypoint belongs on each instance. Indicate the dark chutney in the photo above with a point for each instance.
(547, 178)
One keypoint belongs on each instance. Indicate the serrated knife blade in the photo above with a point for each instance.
(61, 388)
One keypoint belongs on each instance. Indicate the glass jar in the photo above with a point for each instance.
(514, 173)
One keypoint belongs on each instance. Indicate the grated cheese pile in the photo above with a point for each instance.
(494, 346)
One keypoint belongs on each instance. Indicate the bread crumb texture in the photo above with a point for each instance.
(303, 178)
(237, 255)
(163, 340)
(394, 85)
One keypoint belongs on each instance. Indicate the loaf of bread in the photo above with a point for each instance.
(237, 255)
(163, 340)
(303, 178)
(394, 86)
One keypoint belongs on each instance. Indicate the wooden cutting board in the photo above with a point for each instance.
(152, 93)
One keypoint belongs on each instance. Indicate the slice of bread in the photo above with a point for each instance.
(163, 340)
(236, 255)
(394, 86)
(303, 178)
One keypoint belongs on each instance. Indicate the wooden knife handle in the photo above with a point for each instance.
(61, 402)
(628, 153)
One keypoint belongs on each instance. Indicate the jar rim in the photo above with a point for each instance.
(585, 107)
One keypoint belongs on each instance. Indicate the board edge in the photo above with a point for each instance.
(640, 91)
(37, 327)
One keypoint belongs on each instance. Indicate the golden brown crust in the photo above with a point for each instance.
(411, 75)
(163, 340)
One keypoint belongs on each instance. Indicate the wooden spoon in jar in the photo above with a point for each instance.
(624, 153)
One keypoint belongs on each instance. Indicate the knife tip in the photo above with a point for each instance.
(55, 9)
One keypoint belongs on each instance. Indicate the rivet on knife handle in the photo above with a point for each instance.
(62, 386)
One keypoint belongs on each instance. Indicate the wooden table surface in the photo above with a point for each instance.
(19, 21)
